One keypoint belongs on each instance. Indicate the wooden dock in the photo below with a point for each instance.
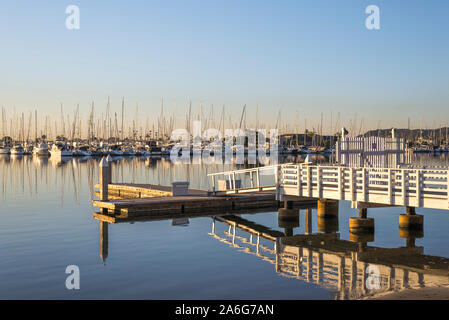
(149, 202)
(139, 190)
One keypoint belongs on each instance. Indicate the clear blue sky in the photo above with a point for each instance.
(301, 56)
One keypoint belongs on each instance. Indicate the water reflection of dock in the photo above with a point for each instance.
(348, 268)
(351, 269)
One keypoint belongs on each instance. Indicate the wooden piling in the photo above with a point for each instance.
(308, 221)
(362, 224)
(103, 240)
(105, 178)
(327, 208)
(408, 221)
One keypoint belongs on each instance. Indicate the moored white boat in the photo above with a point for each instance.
(82, 152)
(4, 150)
(60, 150)
(115, 151)
(17, 150)
(128, 152)
(155, 151)
(41, 150)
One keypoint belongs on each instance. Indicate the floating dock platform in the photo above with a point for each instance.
(152, 202)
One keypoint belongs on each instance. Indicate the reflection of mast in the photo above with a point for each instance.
(75, 189)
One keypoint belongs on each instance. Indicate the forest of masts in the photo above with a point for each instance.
(146, 125)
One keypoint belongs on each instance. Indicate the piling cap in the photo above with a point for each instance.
(104, 163)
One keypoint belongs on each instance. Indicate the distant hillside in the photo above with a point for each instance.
(415, 134)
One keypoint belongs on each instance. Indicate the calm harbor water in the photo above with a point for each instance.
(47, 224)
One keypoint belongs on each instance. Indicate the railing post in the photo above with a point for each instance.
(251, 179)
(447, 185)
(390, 187)
(276, 181)
(258, 179)
(318, 182)
(418, 188)
(339, 180)
(353, 186)
(404, 190)
(364, 184)
(309, 180)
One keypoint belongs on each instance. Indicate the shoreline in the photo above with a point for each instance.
(432, 293)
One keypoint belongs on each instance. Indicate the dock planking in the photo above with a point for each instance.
(145, 201)
(136, 190)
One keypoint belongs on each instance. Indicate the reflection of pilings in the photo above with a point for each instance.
(410, 235)
(327, 225)
(411, 220)
(342, 265)
(288, 219)
(351, 275)
(363, 213)
(288, 204)
(104, 240)
(362, 224)
(361, 237)
(327, 208)
(308, 221)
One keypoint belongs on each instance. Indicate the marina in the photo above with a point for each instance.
(214, 158)
(309, 257)
(68, 189)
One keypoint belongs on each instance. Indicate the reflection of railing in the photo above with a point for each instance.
(253, 246)
(405, 187)
(350, 269)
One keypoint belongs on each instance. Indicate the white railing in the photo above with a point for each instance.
(253, 175)
(406, 187)
(371, 152)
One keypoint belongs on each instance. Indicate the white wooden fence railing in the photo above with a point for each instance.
(427, 188)
(371, 152)
(253, 176)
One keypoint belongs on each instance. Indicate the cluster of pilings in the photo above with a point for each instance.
(327, 217)
(361, 228)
